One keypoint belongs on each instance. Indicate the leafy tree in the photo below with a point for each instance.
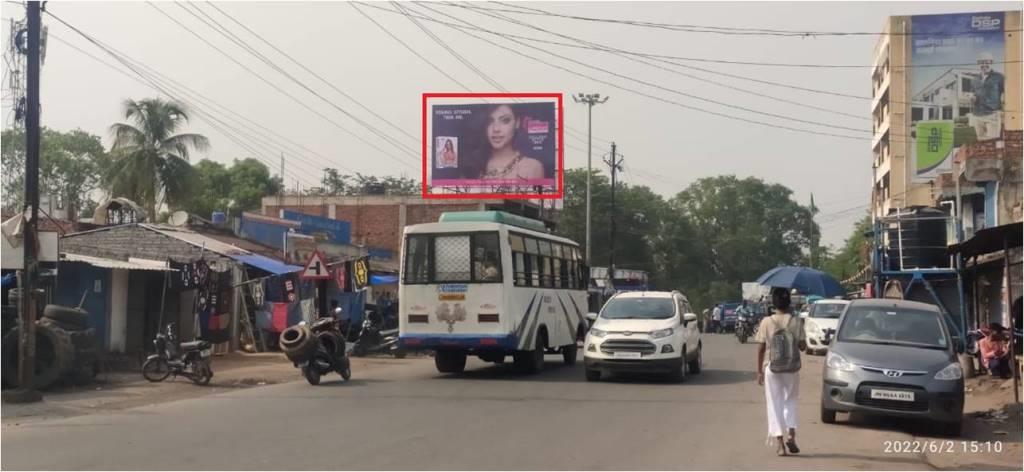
(336, 183)
(234, 189)
(70, 166)
(853, 255)
(151, 165)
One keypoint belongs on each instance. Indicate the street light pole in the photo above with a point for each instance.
(590, 99)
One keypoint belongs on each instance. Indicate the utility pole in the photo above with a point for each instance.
(616, 166)
(813, 242)
(590, 99)
(27, 332)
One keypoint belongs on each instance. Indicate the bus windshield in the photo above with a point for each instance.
(452, 258)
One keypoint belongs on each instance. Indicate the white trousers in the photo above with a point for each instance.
(781, 391)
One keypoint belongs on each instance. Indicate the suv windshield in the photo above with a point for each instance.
(639, 308)
(892, 325)
(826, 310)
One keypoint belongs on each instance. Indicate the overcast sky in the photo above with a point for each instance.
(666, 145)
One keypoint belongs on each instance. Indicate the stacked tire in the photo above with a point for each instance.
(67, 349)
(298, 343)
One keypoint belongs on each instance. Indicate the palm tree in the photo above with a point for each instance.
(151, 164)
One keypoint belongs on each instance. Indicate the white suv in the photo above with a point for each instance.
(644, 332)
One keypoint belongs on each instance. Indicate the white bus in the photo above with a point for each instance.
(491, 284)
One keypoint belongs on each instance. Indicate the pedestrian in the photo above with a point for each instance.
(995, 352)
(704, 319)
(780, 339)
(716, 318)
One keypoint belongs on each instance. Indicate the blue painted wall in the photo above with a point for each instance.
(264, 233)
(335, 231)
(73, 278)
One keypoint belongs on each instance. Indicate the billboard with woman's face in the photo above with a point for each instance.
(501, 147)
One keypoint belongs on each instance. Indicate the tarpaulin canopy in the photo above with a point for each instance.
(381, 279)
(273, 266)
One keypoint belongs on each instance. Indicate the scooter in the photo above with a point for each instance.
(328, 355)
(189, 359)
(743, 329)
(375, 337)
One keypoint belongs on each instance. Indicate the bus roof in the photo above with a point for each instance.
(492, 217)
(467, 227)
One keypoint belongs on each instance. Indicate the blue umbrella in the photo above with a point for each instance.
(804, 279)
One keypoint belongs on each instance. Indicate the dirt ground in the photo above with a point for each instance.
(119, 390)
(992, 420)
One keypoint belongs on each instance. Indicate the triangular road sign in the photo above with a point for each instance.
(315, 268)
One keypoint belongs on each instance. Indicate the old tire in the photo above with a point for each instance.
(54, 353)
(332, 343)
(311, 374)
(203, 372)
(698, 361)
(593, 375)
(69, 318)
(827, 416)
(450, 362)
(569, 354)
(679, 375)
(155, 369)
(400, 353)
(298, 343)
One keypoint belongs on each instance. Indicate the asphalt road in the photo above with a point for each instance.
(410, 417)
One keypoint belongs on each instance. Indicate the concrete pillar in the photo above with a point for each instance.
(118, 310)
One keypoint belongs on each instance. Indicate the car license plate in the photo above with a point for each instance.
(205, 353)
(898, 395)
(626, 355)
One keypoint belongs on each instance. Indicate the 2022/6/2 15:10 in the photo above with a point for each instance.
(939, 447)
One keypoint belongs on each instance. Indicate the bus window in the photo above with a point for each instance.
(516, 242)
(558, 271)
(417, 254)
(533, 265)
(452, 258)
(486, 262)
(519, 268)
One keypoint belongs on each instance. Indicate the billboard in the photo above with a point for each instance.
(957, 86)
(502, 148)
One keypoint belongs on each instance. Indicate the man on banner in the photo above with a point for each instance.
(987, 114)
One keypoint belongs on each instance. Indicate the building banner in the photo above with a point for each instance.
(957, 86)
(494, 147)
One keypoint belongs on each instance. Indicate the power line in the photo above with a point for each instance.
(279, 89)
(654, 97)
(724, 30)
(217, 26)
(628, 57)
(313, 73)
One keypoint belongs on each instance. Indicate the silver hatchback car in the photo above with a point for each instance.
(894, 358)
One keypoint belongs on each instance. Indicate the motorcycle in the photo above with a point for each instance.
(327, 346)
(376, 336)
(743, 329)
(189, 359)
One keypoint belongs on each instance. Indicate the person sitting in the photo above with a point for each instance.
(995, 353)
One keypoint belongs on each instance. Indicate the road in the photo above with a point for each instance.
(409, 417)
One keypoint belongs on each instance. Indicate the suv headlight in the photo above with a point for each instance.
(837, 362)
(662, 333)
(598, 333)
(951, 372)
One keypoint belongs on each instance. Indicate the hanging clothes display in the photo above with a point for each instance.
(213, 306)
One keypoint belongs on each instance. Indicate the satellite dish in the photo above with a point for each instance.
(178, 218)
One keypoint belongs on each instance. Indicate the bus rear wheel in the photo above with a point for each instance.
(450, 362)
(531, 362)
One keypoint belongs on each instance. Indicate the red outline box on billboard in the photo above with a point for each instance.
(447, 168)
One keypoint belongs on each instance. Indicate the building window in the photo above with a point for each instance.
(947, 113)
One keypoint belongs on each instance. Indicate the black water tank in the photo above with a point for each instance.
(923, 240)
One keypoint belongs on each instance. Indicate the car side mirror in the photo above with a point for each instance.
(591, 317)
(688, 318)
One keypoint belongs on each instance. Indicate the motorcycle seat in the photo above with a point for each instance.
(194, 345)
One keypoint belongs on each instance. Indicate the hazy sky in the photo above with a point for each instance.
(666, 146)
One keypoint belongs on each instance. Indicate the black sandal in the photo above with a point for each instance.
(791, 444)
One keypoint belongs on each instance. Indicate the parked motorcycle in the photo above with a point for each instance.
(376, 336)
(189, 359)
(317, 349)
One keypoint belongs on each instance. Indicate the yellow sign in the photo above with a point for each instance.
(451, 296)
(361, 272)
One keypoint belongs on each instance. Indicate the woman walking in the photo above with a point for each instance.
(781, 339)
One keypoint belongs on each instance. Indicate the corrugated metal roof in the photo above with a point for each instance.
(198, 240)
(131, 264)
(273, 266)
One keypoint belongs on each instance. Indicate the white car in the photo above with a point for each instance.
(821, 317)
(650, 332)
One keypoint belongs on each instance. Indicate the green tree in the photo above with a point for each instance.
(336, 183)
(853, 255)
(234, 189)
(151, 160)
(743, 227)
(70, 166)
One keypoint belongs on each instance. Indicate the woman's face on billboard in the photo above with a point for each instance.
(501, 127)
